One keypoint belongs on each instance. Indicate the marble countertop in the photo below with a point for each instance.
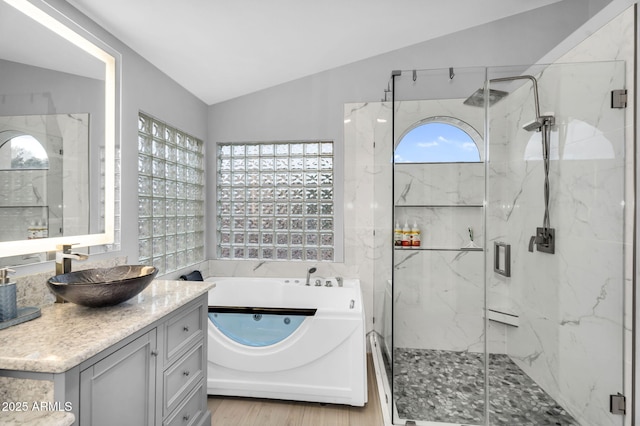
(68, 334)
(38, 418)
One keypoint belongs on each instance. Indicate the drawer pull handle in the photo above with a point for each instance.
(185, 328)
(154, 353)
(186, 373)
(186, 417)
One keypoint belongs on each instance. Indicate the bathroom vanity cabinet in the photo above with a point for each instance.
(155, 375)
(119, 388)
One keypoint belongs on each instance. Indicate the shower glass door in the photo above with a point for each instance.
(510, 311)
(556, 322)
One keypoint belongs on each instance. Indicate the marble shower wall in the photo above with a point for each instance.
(439, 289)
(571, 304)
(439, 293)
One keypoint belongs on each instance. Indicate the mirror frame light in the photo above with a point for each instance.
(13, 248)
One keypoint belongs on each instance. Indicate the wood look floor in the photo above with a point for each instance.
(235, 411)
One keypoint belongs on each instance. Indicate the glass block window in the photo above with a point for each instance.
(275, 201)
(170, 196)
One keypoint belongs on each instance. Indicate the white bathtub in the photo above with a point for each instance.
(322, 360)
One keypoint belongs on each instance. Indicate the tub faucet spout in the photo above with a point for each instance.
(309, 272)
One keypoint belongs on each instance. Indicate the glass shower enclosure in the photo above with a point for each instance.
(511, 309)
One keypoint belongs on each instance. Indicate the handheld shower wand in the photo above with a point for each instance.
(545, 236)
(309, 272)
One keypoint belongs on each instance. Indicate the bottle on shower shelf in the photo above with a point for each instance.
(415, 235)
(397, 235)
(406, 234)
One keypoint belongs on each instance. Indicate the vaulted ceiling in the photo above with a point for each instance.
(219, 50)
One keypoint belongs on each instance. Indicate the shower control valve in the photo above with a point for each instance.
(544, 240)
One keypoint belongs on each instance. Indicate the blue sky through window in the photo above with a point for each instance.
(436, 143)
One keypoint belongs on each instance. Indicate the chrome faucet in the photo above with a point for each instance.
(64, 256)
(309, 272)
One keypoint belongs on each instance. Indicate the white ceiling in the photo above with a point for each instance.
(54, 54)
(222, 49)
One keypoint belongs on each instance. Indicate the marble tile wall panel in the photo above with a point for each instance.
(383, 220)
(439, 184)
(360, 208)
(438, 300)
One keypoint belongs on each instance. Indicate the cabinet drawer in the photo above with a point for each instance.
(191, 410)
(181, 377)
(183, 330)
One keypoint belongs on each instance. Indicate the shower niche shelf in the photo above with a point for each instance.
(444, 227)
(435, 206)
(437, 249)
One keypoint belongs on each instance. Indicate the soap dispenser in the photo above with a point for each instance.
(8, 306)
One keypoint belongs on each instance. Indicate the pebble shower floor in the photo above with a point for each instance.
(448, 386)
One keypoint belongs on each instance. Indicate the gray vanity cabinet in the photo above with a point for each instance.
(157, 376)
(120, 389)
(140, 363)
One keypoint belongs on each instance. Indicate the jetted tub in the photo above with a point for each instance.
(278, 338)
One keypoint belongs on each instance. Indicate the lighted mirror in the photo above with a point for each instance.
(57, 133)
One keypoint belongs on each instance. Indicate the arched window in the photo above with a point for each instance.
(439, 140)
(21, 151)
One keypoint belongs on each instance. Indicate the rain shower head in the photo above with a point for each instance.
(477, 98)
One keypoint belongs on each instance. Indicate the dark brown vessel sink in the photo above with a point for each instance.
(101, 287)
